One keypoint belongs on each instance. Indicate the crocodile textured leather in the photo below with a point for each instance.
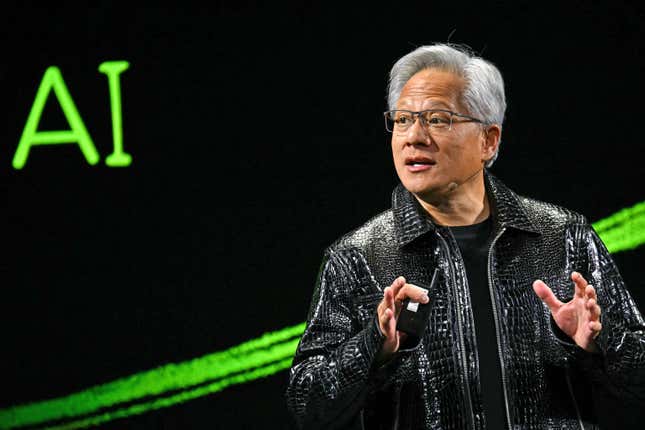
(433, 383)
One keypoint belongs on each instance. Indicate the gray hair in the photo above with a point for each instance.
(483, 93)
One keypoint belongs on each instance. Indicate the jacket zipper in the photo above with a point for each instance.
(573, 397)
(461, 341)
(495, 318)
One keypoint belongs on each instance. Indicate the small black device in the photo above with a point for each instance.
(413, 318)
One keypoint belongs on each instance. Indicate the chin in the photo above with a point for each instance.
(420, 186)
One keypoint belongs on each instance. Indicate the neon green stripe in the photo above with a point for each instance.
(246, 356)
(628, 235)
(623, 230)
(181, 397)
(620, 217)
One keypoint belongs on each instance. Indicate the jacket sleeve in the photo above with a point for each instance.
(620, 366)
(330, 374)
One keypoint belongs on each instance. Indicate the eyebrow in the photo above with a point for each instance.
(441, 105)
(436, 105)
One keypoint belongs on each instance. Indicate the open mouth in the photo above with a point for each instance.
(419, 162)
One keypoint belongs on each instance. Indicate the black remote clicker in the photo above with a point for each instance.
(413, 318)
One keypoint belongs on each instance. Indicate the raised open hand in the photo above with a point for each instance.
(580, 317)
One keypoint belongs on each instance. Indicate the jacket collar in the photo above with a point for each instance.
(412, 221)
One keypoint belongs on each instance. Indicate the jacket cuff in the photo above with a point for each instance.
(381, 370)
(374, 338)
(410, 344)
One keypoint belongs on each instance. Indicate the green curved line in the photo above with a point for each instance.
(620, 217)
(254, 353)
(626, 236)
(624, 230)
(181, 397)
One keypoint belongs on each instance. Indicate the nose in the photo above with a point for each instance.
(418, 133)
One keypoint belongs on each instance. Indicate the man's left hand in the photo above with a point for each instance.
(580, 317)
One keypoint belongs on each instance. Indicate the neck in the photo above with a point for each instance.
(465, 204)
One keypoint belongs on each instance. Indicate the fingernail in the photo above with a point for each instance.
(425, 299)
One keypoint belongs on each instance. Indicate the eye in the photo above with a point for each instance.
(439, 119)
(403, 119)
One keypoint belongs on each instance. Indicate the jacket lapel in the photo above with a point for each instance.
(411, 220)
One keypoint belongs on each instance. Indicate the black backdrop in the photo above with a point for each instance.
(257, 139)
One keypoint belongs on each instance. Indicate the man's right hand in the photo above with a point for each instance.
(388, 312)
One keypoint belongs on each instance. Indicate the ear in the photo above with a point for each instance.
(490, 141)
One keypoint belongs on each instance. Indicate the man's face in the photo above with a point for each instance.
(428, 162)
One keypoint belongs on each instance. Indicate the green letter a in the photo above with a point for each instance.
(78, 133)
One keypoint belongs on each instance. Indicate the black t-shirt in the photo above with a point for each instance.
(474, 241)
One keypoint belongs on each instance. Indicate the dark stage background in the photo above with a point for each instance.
(257, 139)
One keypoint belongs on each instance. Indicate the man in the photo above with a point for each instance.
(527, 310)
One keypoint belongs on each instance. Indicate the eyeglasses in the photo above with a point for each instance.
(433, 120)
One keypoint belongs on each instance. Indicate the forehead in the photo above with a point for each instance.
(432, 88)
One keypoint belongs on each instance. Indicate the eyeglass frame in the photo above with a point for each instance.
(417, 114)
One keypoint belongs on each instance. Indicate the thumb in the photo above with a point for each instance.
(546, 295)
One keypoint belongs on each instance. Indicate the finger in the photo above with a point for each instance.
(387, 302)
(595, 327)
(594, 310)
(389, 298)
(397, 285)
(590, 292)
(414, 293)
(397, 304)
(580, 283)
(546, 295)
(592, 302)
(385, 320)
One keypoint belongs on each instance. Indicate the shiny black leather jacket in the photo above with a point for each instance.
(334, 380)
